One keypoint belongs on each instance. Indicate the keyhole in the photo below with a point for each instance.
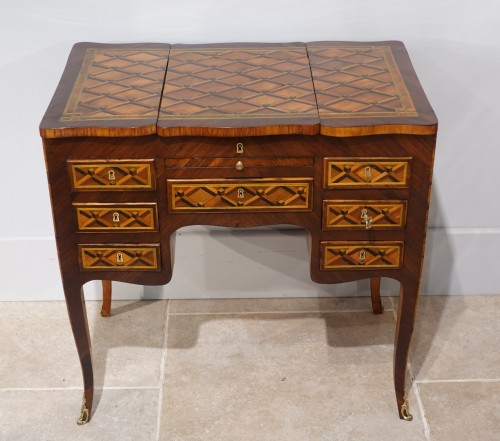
(368, 174)
(111, 175)
(119, 258)
(362, 256)
(241, 193)
(239, 148)
(116, 217)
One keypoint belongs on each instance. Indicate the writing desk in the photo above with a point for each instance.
(337, 138)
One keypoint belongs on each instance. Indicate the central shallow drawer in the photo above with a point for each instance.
(361, 255)
(219, 195)
(119, 257)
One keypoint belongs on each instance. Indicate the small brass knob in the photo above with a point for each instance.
(239, 166)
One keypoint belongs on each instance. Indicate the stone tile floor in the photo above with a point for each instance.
(266, 370)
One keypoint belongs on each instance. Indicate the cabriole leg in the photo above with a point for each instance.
(375, 294)
(75, 303)
(404, 330)
(106, 298)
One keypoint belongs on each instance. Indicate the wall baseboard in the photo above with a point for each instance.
(214, 262)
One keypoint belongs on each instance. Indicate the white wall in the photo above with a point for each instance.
(455, 48)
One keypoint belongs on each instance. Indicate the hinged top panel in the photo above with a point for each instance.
(368, 88)
(238, 89)
(108, 90)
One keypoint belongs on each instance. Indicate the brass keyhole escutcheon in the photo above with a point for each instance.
(368, 174)
(111, 175)
(241, 193)
(119, 258)
(116, 217)
(239, 148)
(362, 257)
(365, 219)
(239, 166)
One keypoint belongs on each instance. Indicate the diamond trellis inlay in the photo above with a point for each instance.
(115, 175)
(358, 81)
(117, 217)
(361, 255)
(289, 194)
(124, 257)
(349, 214)
(370, 172)
(213, 83)
(117, 84)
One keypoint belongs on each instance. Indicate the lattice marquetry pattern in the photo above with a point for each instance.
(214, 83)
(124, 217)
(124, 258)
(117, 84)
(371, 172)
(111, 175)
(288, 194)
(356, 214)
(360, 255)
(358, 81)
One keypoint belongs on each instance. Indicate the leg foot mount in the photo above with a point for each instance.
(84, 415)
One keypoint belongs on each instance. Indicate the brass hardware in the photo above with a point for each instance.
(111, 175)
(368, 174)
(116, 217)
(119, 258)
(84, 414)
(239, 147)
(405, 410)
(362, 257)
(241, 193)
(239, 166)
(367, 220)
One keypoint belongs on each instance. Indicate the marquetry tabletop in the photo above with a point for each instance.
(239, 89)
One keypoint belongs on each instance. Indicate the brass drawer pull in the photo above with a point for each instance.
(239, 166)
(367, 220)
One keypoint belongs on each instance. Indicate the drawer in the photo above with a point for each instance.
(240, 163)
(364, 214)
(361, 255)
(119, 257)
(116, 217)
(216, 195)
(112, 175)
(366, 172)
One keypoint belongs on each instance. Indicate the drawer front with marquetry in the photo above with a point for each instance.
(361, 255)
(112, 175)
(286, 194)
(125, 257)
(364, 214)
(127, 217)
(366, 172)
